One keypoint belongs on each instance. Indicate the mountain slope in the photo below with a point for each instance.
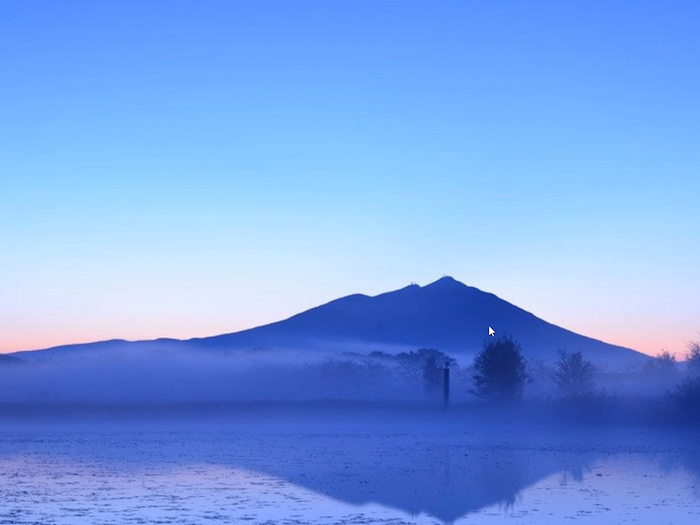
(446, 314)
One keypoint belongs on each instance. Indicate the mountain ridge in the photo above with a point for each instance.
(445, 314)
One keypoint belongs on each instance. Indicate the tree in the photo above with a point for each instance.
(573, 375)
(499, 370)
(693, 358)
(662, 365)
(425, 366)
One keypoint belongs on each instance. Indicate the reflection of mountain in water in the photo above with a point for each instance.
(447, 474)
(445, 478)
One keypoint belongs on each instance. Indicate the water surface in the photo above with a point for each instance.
(353, 474)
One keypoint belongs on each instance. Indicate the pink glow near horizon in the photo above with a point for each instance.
(650, 343)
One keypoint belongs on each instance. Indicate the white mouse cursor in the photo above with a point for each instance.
(492, 332)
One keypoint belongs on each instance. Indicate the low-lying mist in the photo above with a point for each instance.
(171, 376)
(167, 376)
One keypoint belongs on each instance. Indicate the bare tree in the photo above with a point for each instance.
(573, 375)
(693, 357)
(663, 365)
(425, 366)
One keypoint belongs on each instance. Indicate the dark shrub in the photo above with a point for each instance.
(499, 370)
(686, 398)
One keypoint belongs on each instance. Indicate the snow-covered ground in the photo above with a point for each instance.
(353, 471)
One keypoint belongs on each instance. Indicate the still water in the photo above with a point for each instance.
(355, 474)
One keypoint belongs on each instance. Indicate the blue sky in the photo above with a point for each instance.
(191, 168)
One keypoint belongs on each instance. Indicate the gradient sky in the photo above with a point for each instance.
(183, 168)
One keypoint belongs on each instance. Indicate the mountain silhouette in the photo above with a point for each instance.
(446, 314)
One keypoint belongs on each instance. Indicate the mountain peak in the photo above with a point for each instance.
(445, 282)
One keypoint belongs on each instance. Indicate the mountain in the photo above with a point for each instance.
(446, 315)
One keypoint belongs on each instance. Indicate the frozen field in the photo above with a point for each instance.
(354, 472)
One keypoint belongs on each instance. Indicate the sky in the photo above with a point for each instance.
(180, 168)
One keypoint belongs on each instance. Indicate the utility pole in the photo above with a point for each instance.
(446, 384)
